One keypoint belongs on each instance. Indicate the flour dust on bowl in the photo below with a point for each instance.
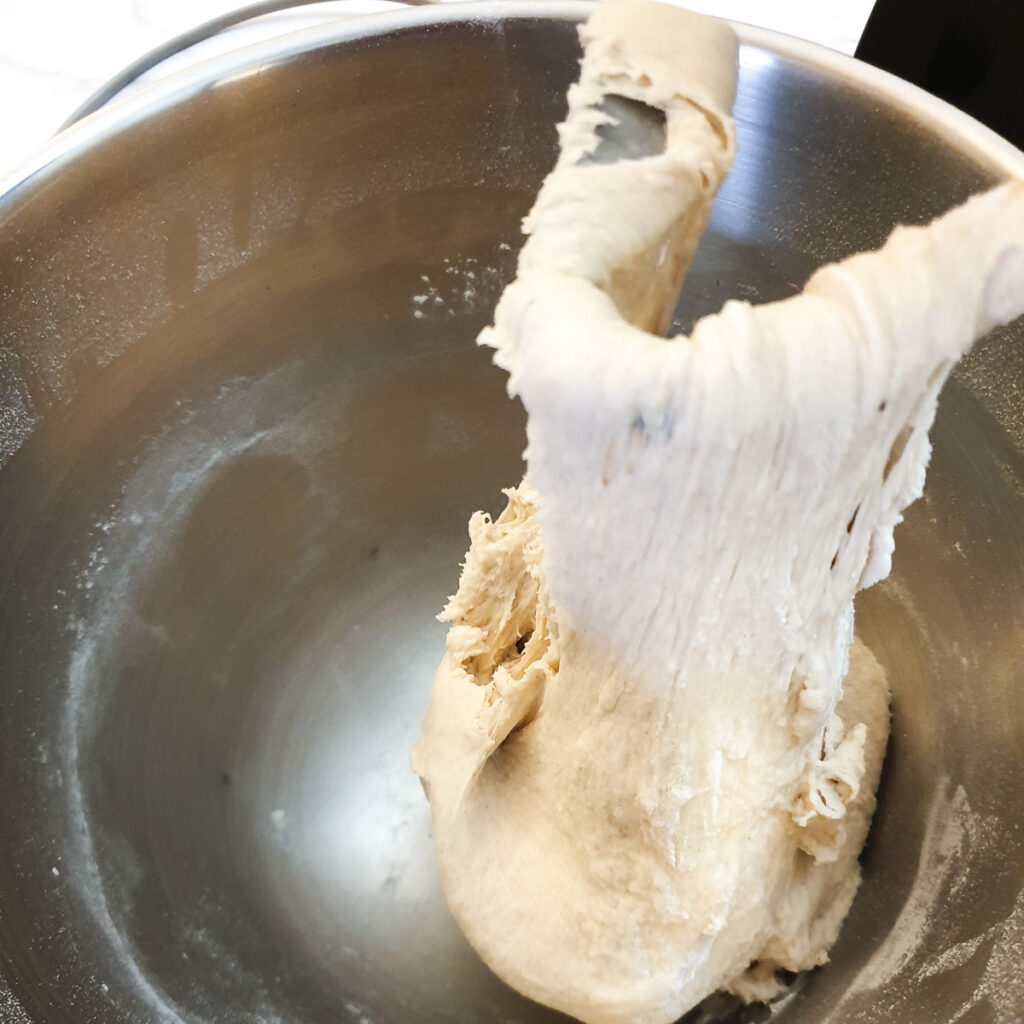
(243, 424)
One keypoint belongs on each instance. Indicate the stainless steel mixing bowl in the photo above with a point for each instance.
(243, 424)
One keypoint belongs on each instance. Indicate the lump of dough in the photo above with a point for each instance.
(653, 743)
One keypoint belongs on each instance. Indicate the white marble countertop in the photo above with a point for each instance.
(55, 53)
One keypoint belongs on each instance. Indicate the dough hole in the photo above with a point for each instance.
(635, 131)
(899, 446)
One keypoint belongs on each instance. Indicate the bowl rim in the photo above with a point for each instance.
(151, 100)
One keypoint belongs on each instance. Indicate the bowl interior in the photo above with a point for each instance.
(243, 426)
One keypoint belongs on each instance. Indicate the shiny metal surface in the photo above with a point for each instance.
(243, 424)
(215, 26)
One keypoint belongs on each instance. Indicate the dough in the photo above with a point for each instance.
(653, 743)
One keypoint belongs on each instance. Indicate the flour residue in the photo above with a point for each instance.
(281, 827)
(136, 532)
(464, 285)
(942, 851)
(956, 836)
(11, 1011)
(359, 1014)
(1001, 988)
(17, 418)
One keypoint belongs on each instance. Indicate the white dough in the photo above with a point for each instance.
(648, 778)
